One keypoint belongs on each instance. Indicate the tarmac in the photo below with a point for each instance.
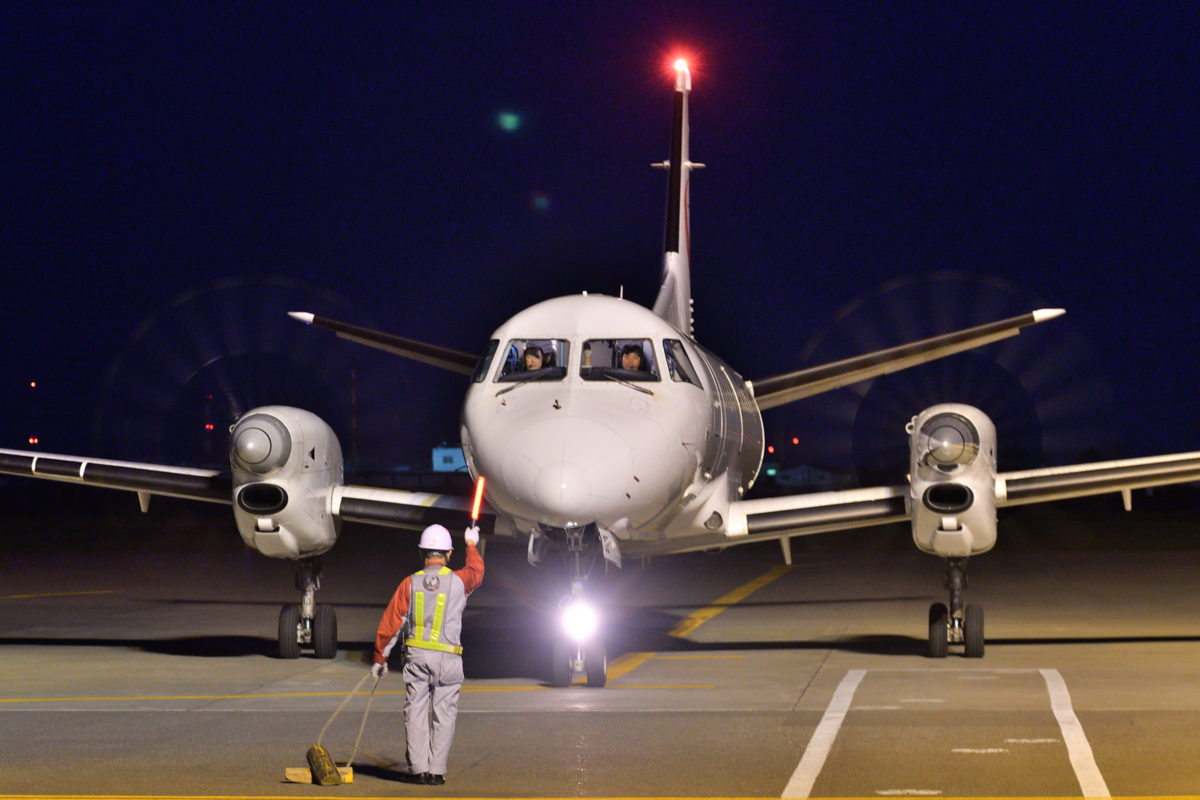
(136, 660)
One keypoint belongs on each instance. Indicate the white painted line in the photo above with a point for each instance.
(908, 792)
(921, 700)
(980, 750)
(1091, 782)
(819, 745)
(876, 708)
(1032, 741)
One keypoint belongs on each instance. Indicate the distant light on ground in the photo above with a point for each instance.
(541, 202)
(509, 121)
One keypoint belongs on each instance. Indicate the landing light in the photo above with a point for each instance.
(681, 65)
(579, 620)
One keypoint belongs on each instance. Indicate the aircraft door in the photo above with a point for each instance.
(719, 397)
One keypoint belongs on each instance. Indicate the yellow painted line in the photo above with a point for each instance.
(626, 664)
(54, 594)
(391, 797)
(696, 657)
(136, 698)
(467, 689)
(639, 797)
(698, 618)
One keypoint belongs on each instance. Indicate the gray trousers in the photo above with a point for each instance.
(432, 680)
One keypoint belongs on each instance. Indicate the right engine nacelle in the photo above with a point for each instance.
(285, 463)
(952, 480)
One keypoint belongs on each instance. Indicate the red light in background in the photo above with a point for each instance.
(208, 426)
(33, 440)
(770, 448)
(33, 384)
(795, 440)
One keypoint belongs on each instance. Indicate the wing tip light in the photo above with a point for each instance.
(1043, 314)
(304, 316)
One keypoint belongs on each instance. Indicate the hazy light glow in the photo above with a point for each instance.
(681, 65)
(509, 121)
(579, 620)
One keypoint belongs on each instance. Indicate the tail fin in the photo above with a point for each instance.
(674, 302)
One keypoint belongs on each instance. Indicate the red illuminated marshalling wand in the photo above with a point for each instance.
(478, 499)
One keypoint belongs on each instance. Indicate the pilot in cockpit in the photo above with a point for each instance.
(533, 358)
(633, 358)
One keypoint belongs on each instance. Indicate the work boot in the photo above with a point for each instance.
(434, 780)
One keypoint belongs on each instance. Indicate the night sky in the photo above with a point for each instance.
(178, 177)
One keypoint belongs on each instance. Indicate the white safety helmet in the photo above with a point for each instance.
(435, 537)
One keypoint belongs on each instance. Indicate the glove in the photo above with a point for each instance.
(472, 534)
(379, 669)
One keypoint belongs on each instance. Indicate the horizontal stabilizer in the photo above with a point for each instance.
(444, 357)
(781, 389)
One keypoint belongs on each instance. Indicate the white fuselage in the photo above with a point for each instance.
(585, 437)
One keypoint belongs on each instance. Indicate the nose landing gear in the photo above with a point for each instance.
(308, 623)
(578, 647)
(956, 624)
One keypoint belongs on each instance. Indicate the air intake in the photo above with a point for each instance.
(948, 498)
(261, 499)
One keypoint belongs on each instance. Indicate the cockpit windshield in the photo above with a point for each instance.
(535, 360)
(620, 359)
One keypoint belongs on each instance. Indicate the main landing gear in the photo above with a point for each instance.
(578, 646)
(956, 624)
(306, 623)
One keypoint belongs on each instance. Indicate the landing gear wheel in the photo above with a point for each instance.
(939, 618)
(560, 662)
(973, 632)
(289, 627)
(595, 660)
(325, 632)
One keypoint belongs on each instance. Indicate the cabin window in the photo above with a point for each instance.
(679, 366)
(618, 359)
(485, 361)
(535, 360)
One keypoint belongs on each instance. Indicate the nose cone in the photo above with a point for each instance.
(562, 489)
(568, 471)
(252, 446)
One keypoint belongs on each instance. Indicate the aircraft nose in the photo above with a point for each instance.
(567, 469)
(562, 488)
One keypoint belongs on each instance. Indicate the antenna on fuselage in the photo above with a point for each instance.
(674, 301)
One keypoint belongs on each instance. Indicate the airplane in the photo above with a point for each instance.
(606, 431)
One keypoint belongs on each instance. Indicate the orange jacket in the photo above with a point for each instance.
(397, 610)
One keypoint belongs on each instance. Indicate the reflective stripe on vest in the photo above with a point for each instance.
(430, 639)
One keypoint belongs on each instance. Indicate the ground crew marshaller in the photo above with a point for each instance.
(427, 608)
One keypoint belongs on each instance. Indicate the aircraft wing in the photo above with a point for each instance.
(780, 518)
(395, 508)
(770, 518)
(780, 389)
(1102, 477)
(444, 357)
(145, 479)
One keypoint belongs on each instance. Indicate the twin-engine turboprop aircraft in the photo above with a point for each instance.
(605, 429)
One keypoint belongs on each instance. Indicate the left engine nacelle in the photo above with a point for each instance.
(952, 480)
(285, 464)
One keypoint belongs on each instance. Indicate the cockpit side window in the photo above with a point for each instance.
(535, 360)
(485, 361)
(623, 359)
(679, 366)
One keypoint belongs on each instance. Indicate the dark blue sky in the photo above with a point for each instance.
(178, 176)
